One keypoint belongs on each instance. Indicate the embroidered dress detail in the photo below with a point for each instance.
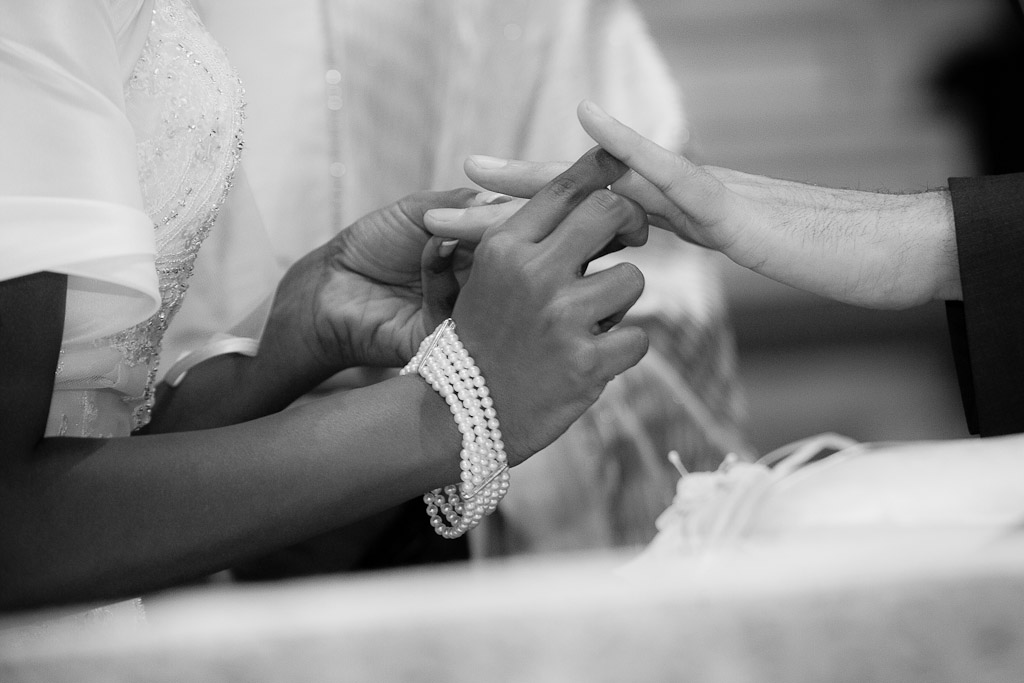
(186, 106)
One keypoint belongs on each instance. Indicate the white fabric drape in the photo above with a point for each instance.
(69, 192)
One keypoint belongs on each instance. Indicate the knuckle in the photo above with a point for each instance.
(497, 248)
(614, 209)
(558, 309)
(608, 202)
(567, 188)
(671, 183)
(588, 359)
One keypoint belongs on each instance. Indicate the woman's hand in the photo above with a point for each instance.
(545, 335)
(369, 295)
(867, 248)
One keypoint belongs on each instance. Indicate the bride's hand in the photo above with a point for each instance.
(370, 294)
(544, 334)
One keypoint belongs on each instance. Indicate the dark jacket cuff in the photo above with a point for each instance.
(987, 329)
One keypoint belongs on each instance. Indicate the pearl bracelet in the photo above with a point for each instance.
(448, 368)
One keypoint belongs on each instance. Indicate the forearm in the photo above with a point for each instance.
(230, 388)
(904, 253)
(224, 390)
(929, 265)
(101, 519)
(874, 249)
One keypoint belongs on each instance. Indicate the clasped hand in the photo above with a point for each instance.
(543, 332)
(368, 295)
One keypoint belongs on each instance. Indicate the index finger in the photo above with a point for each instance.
(556, 200)
(524, 178)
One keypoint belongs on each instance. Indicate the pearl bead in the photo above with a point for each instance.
(445, 364)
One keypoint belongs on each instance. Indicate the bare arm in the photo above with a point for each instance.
(89, 519)
(92, 519)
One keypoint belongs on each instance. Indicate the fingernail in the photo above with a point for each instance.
(446, 248)
(488, 162)
(488, 197)
(444, 215)
(596, 111)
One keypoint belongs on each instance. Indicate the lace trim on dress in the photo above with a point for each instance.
(186, 104)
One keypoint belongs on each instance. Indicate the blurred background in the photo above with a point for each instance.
(870, 94)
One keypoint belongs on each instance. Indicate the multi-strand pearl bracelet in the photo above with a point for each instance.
(447, 367)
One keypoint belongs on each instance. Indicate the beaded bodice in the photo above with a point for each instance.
(186, 107)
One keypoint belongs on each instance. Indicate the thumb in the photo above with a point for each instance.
(440, 288)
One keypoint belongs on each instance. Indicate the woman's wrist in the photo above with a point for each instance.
(446, 365)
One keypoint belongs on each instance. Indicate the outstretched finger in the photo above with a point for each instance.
(414, 206)
(469, 224)
(512, 176)
(549, 207)
(682, 181)
(524, 178)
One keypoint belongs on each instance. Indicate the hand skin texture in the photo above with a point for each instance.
(871, 249)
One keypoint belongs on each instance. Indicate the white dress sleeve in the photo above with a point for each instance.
(69, 190)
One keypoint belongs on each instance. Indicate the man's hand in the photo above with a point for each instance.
(369, 295)
(867, 248)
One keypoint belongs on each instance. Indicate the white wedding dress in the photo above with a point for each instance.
(122, 126)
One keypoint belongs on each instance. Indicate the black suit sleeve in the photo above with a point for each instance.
(987, 327)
